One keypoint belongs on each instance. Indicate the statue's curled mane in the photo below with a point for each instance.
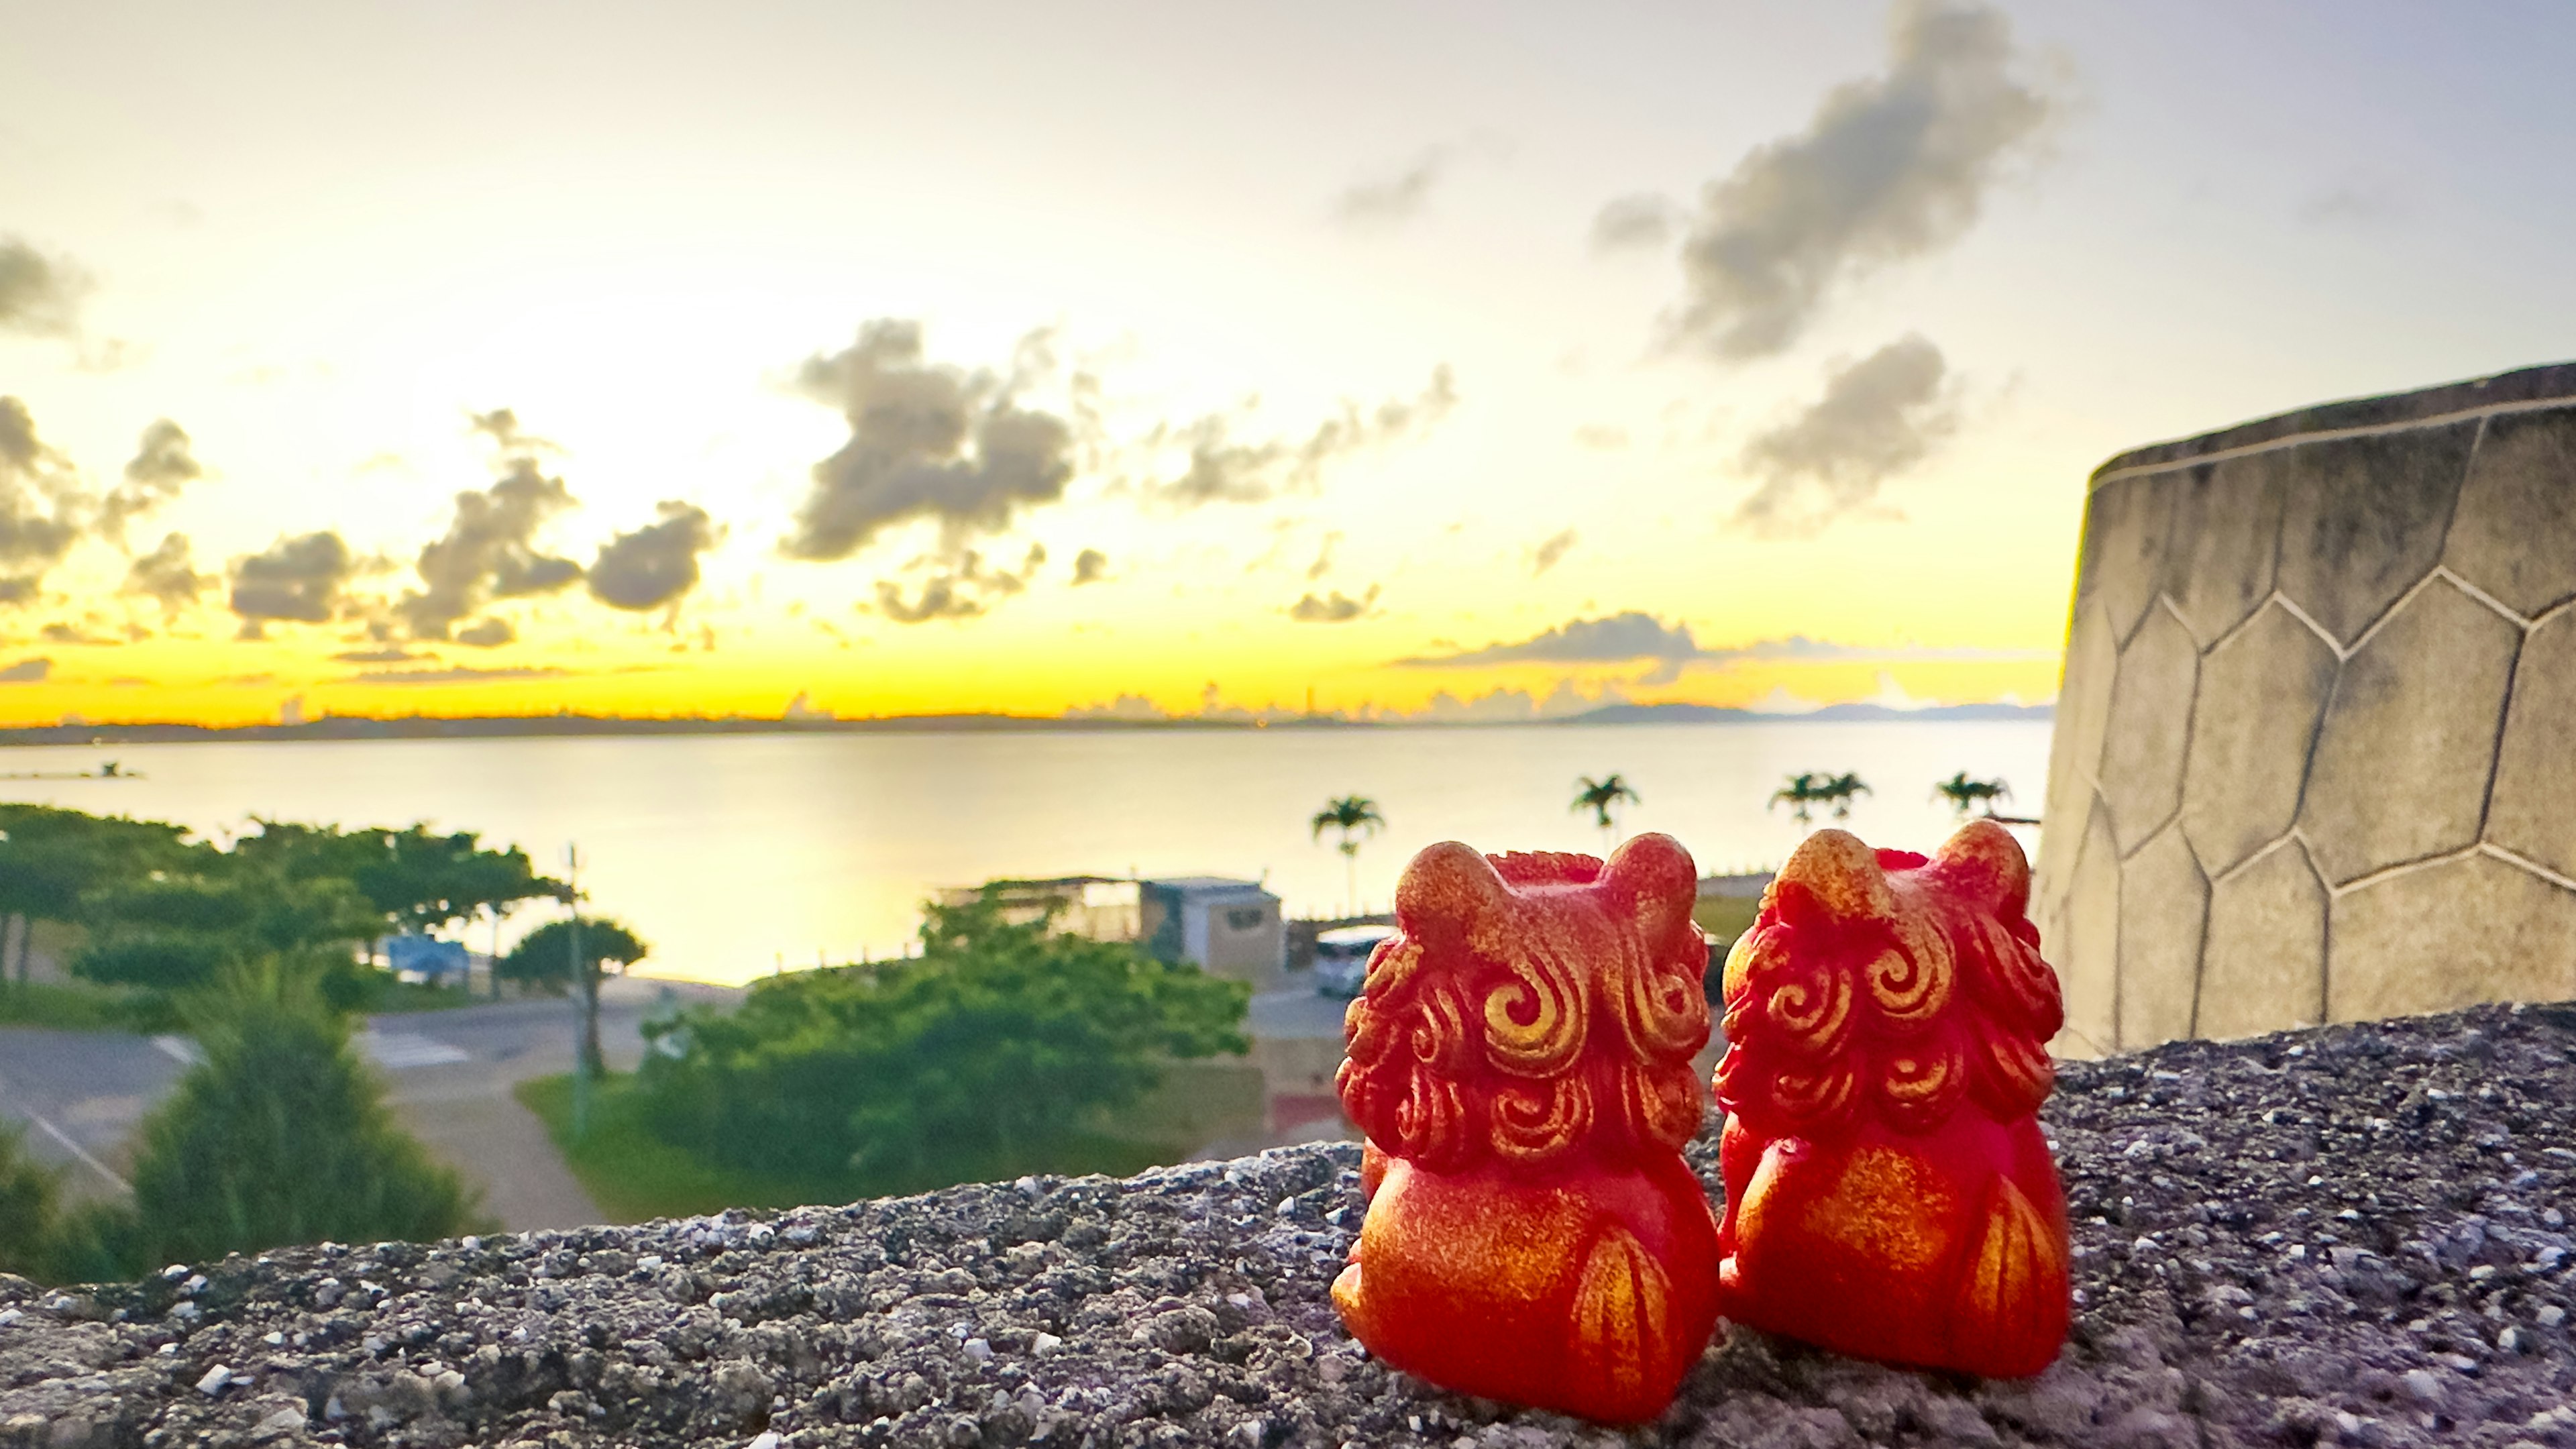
(1532, 1006)
(1862, 993)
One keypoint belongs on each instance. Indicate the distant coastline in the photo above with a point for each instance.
(411, 727)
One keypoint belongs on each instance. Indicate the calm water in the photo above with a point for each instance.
(733, 854)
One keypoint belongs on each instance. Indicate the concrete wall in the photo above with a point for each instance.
(2315, 753)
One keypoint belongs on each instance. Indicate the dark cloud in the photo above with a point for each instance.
(1891, 167)
(163, 463)
(1339, 608)
(460, 674)
(489, 551)
(1633, 637)
(60, 632)
(1397, 197)
(1632, 223)
(962, 588)
(1551, 550)
(27, 671)
(1089, 567)
(656, 564)
(380, 656)
(1878, 417)
(41, 505)
(487, 633)
(39, 295)
(926, 442)
(1223, 470)
(298, 579)
(168, 574)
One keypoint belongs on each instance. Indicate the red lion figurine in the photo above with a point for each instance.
(1521, 1063)
(1888, 1193)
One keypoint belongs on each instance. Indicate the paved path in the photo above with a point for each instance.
(80, 1094)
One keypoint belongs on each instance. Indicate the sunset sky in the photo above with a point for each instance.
(1489, 359)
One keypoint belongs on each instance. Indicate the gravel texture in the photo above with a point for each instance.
(2352, 1236)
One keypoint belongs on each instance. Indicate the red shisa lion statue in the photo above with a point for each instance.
(1888, 1192)
(1521, 1063)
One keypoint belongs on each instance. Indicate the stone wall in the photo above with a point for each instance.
(2315, 753)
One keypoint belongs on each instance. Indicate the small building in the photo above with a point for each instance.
(1230, 928)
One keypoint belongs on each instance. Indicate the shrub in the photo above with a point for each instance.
(279, 1136)
(991, 1053)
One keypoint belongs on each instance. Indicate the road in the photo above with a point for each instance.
(449, 1075)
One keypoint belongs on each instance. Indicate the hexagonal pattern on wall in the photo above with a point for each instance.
(2315, 750)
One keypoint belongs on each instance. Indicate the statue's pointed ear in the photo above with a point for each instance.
(1447, 888)
(1983, 857)
(1838, 877)
(1657, 873)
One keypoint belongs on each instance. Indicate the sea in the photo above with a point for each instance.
(736, 856)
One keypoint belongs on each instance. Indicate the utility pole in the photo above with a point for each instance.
(582, 1046)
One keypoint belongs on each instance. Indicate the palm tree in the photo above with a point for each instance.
(1840, 790)
(1357, 818)
(1965, 794)
(1603, 797)
(1802, 793)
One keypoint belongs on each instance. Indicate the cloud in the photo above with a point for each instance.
(163, 463)
(656, 564)
(460, 674)
(1338, 609)
(1398, 197)
(487, 633)
(489, 551)
(27, 671)
(1089, 567)
(1323, 563)
(1551, 550)
(167, 574)
(1635, 223)
(1602, 437)
(39, 295)
(1635, 637)
(391, 655)
(1891, 167)
(40, 505)
(1222, 470)
(297, 579)
(501, 425)
(2356, 207)
(1510, 706)
(1878, 417)
(964, 588)
(926, 442)
(60, 632)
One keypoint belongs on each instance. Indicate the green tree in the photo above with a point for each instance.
(989, 1054)
(177, 930)
(279, 1136)
(50, 859)
(1357, 818)
(1965, 794)
(1603, 797)
(544, 958)
(1839, 792)
(1801, 795)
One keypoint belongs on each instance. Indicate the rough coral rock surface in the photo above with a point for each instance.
(2352, 1236)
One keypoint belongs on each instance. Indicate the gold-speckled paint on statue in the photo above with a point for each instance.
(1888, 1190)
(1520, 1060)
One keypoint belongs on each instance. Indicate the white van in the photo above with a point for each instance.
(1341, 957)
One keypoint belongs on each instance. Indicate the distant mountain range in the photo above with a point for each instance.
(1717, 714)
(351, 727)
